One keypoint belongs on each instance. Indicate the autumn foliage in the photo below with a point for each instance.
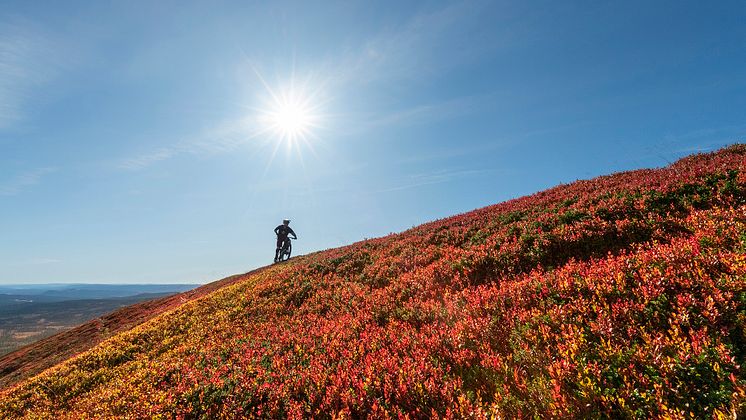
(623, 296)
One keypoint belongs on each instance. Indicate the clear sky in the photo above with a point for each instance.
(141, 142)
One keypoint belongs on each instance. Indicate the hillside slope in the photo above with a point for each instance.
(621, 296)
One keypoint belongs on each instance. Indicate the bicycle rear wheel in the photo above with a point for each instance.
(286, 251)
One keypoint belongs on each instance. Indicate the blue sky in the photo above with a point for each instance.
(132, 148)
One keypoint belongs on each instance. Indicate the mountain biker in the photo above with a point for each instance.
(282, 231)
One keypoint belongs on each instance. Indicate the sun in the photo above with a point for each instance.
(290, 120)
(290, 115)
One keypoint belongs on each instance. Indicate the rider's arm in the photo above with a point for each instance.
(293, 233)
(277, 230)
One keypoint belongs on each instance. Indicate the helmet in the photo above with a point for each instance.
(285, 221)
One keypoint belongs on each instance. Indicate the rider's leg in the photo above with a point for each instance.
(277, 250)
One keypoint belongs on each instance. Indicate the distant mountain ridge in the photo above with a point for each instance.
(623, 296)
(66, 291)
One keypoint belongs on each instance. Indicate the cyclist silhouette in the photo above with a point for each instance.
(283, 242)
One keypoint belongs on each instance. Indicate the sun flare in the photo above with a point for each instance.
(290, 116)
(290, 120)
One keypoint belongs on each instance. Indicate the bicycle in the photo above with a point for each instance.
(285, 251)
